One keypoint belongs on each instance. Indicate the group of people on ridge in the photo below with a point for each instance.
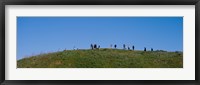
(115, 46)
(94, 46)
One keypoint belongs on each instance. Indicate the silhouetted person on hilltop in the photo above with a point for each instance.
(91, 46)
(124, 46)
(128, 48)
(151, 49)
(95, 46)
(133, 47)
(145, 49)
(115, 46)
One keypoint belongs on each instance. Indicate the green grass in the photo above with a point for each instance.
(104, 58)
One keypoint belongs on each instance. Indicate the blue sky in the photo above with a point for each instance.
(37, 35)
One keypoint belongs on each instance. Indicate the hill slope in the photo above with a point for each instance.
(104, 58)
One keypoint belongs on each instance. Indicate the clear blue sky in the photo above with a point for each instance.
(37, 35)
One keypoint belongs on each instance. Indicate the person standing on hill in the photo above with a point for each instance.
(124, 46)
(133, 47)
(95, 46)
(91, 46)
(128, 48)
(115, 46)
(145, 49)
(99, 47)
(151, 49)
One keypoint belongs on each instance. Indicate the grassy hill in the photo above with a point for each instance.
(104, 58)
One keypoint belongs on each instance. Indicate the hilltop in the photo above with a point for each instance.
(104, 58)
